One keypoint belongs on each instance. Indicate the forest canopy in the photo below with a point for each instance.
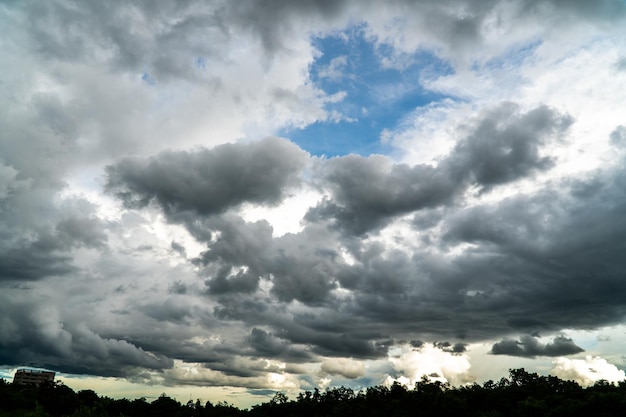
(521, 394)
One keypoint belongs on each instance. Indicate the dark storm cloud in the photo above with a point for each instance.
(417, 344)
(266, 345)
(239, 245)
(345, 345)
(503, 146)
(168, 310)
(49, 254)
(456, 348)
(35, 260)
(529, 267)
(35, 333)
(539, 262)
(529, 346)
(227, 281)
(368, 191)
(391, 274)
(234, 366)
(551, 260)
(322, 331)
(209, 181)
(302, 266)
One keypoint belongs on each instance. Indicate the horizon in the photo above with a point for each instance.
(269, 397)
(239, 199)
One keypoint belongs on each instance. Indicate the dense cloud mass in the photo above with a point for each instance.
(502, 147)
(529, 346)
(275, 195)
(210, 181)
(33, 334)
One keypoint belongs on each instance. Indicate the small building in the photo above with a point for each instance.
(32, 377)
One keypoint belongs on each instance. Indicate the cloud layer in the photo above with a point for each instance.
(158, 223)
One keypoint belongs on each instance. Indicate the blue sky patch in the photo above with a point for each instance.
(146, 78)
(381, 89)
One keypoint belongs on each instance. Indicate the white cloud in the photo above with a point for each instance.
(334, 70)
(345, 367)
(587, 371)
(412, 364)
(574, 83)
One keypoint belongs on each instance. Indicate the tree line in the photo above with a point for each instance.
(521, 394)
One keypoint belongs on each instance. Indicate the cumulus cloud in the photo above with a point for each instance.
(335, 68)
(209, 181)
(411, 365)
(505, 145)
(451, 348)
(587, 371)
(347, 368)
(367, 191)
(300, 266)
(35, 333)
(530, 346)
(502, 146)
(35, 260)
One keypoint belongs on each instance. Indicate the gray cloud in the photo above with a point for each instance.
(87, 231)
(503, 146)
(34, 260)
(177, 33)
(239, 245)
(178, 248)
(529, 346)
(301, 266)
(618, 137)
(46, 252)
(456, 348)
(417, 344)
(265, 344)
(35, 333)
(556, 251)
(369, 191)
(209, 181)
(512, 278)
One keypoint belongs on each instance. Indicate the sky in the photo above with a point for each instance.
(224, 200)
